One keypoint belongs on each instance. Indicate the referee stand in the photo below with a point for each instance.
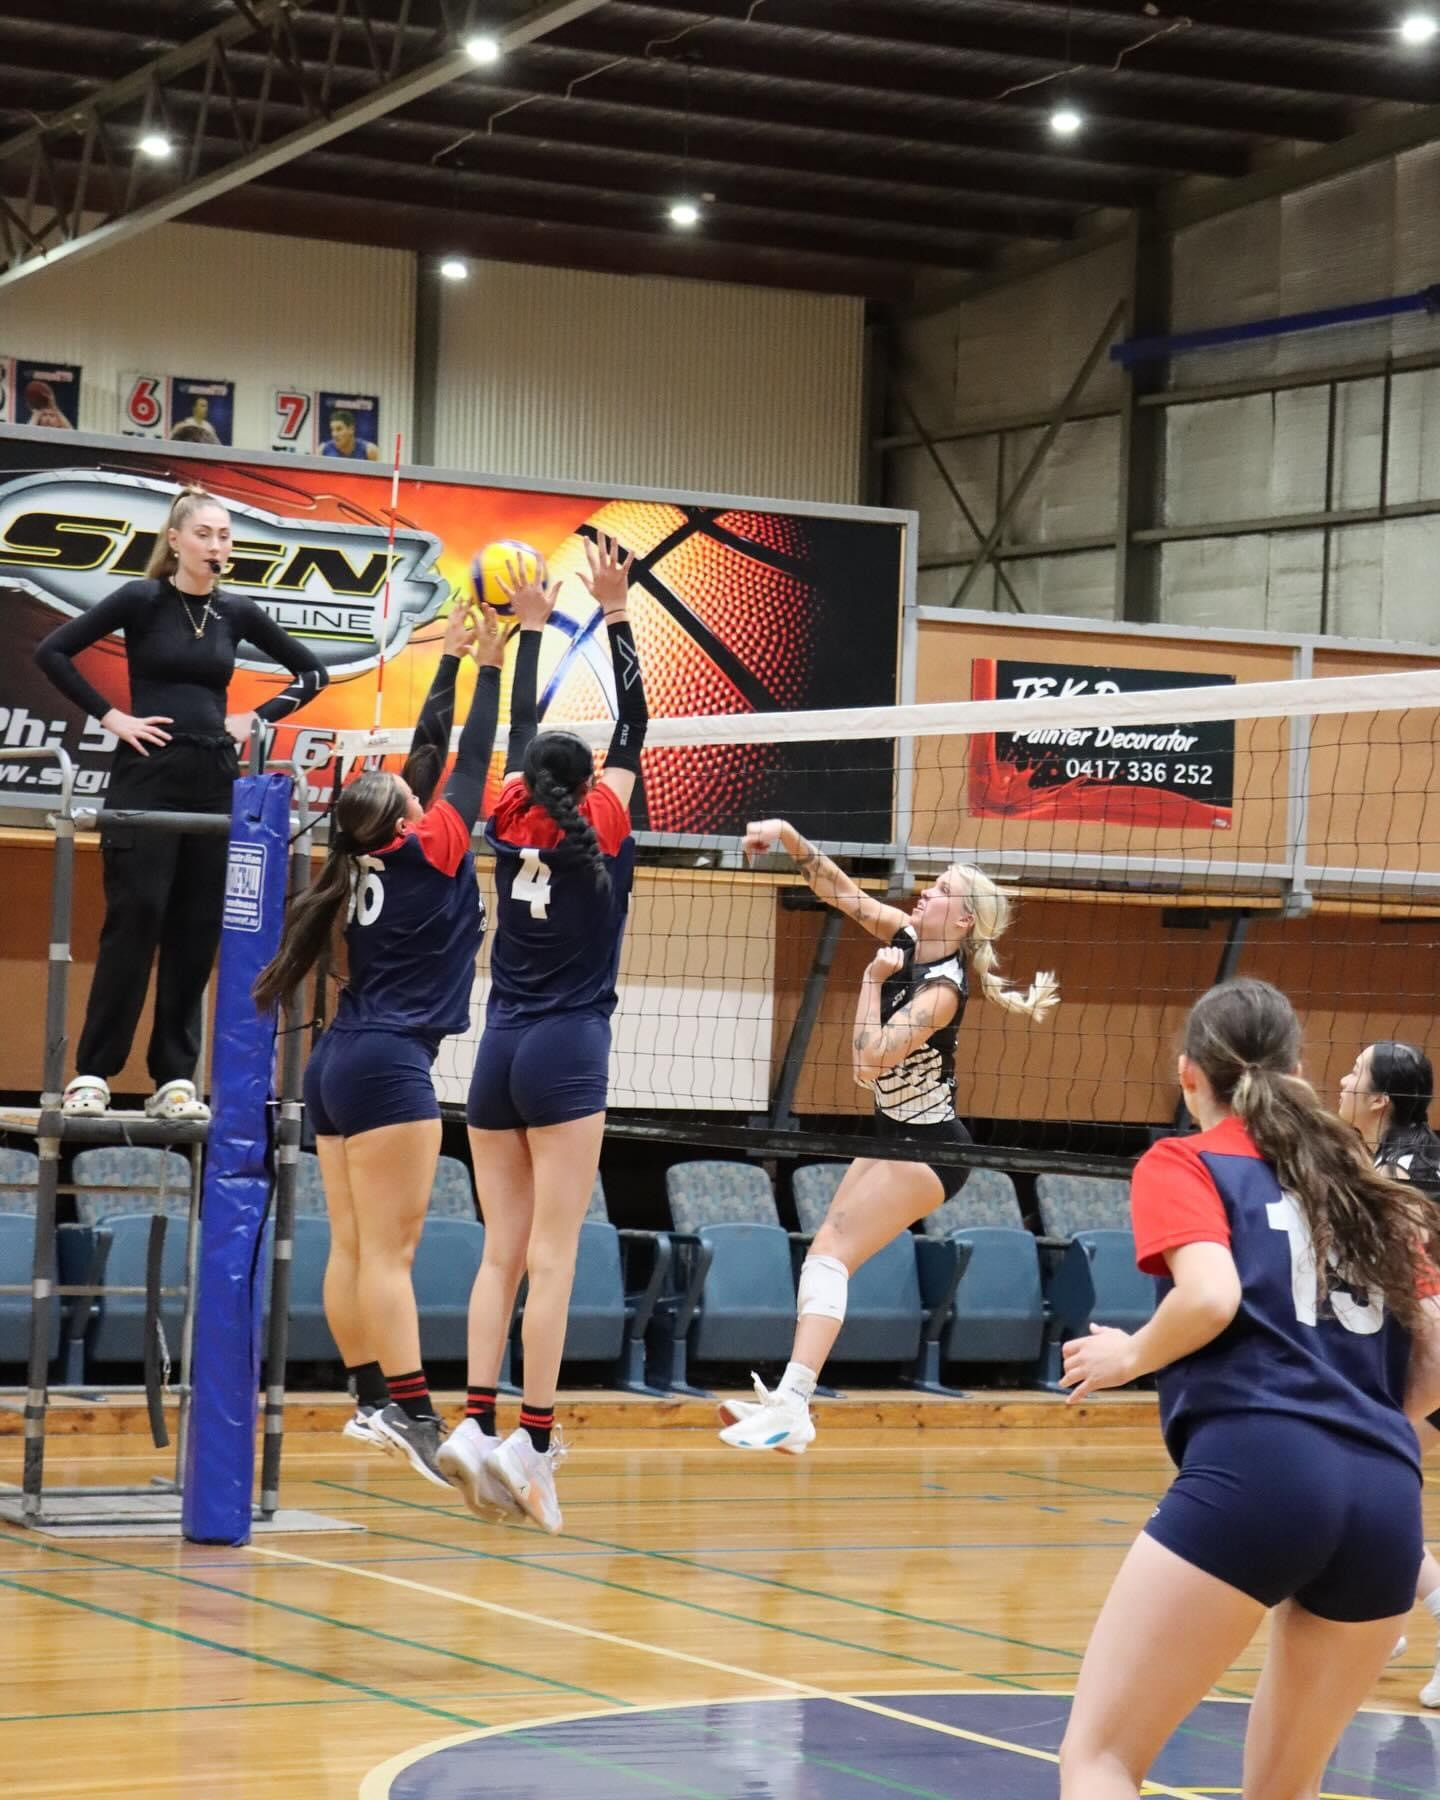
(156, 1507)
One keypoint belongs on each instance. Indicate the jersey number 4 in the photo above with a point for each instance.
(532, 883)
(1285, 1215)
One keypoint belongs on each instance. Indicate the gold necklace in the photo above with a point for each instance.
(205, 612)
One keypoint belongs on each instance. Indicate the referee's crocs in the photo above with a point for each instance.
(464, 1460)
(87, 1097)
(779, 1422)
(176, 1100)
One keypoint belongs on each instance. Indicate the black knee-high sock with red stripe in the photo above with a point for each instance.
(538, 1422)
(480, 1406)
(411, 1393)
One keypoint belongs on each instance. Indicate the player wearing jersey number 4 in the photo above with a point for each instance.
(564, 858)
(403, 869)
(912, 1000)
(1296, 1339)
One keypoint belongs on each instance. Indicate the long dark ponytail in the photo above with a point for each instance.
(1367, 1230)
(367, 815)
(558, 767)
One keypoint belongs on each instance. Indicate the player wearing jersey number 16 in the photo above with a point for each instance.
(403, 871)
(1296, 1341)
(564, 859)
(907, 1018)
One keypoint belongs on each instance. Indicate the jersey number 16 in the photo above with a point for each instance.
(1285, 1215)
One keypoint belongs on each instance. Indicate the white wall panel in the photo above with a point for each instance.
(626, 380)
(261, 311)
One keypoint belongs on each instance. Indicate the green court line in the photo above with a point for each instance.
(690, 1605)
(809, 1593)
(223, 1706)
(253, 1656)
(318, 1618)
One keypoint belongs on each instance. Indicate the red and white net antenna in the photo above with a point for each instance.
(385, 603)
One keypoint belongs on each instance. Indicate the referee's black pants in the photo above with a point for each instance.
(164, 892)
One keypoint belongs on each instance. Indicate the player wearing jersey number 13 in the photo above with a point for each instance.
(906, 1022)
(403, 871)
(1296, 1340)
(564, 857)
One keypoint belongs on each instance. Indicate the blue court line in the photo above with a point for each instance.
(1085, 1487)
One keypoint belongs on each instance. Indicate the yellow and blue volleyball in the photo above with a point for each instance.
(491, 571)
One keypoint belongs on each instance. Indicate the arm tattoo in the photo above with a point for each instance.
(868, 1036)
(815, 867)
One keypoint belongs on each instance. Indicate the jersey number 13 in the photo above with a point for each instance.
(1285, 1215)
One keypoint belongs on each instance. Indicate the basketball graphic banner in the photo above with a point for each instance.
(42, 394)
(735, 609)
(1155, 775)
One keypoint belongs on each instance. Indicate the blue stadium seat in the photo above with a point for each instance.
(17, 1260)
(19, 1171)
(117, 1331)
(732, 1298)
(129, 1179)
(1093, 1278)
(998, 1315)
(444, 1269)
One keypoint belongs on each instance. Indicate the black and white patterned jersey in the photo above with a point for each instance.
(921, 1090)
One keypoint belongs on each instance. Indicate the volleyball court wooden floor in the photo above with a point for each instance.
(901, 1611)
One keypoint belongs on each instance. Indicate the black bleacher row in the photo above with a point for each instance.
(974, 1296)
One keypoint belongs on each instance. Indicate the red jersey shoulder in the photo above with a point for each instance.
(610, 816)
(443, 837)
(1174, 1201)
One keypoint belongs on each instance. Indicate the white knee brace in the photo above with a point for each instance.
(824, 1284)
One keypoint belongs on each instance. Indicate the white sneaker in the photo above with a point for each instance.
(529, 1474)
(464, 1460)
(1430, 1693)
(176, 1100)
(732, 1411)
(780, 1423)
(87, 1096)
(1402, 1645)
(362, 1428)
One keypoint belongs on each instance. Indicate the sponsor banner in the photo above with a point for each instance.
(42, 394)
(1154, 775)
(735, 610)
(186, 409)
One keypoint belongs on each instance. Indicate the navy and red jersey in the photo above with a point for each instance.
(416, 921)
(557, 935)
(1341, 1362)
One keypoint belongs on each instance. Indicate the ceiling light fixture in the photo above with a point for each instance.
(685, 214)
(1420, 28)
(482, 50)
(455, 268)
(1066, 120)
(156, 146)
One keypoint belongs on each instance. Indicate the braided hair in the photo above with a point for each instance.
(558, 768)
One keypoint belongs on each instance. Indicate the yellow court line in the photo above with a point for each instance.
(804, 1688)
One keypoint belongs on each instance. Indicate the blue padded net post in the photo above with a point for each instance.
(219, 1473)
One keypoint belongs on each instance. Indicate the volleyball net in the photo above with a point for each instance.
(1151, 843)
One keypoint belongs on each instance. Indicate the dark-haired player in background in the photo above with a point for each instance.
(403, 871)
(564, 859)
(1297, 1328)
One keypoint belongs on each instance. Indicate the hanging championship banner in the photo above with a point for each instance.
(187, 409)
(326, 423)
(1157, 775)
(348, 425)
(44, 394)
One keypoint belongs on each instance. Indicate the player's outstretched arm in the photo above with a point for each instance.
(532, 602)
(608, 584)
(829, 883)
(465, 790)
(430, 746)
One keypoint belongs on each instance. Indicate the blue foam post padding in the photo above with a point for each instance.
(220, 1448)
